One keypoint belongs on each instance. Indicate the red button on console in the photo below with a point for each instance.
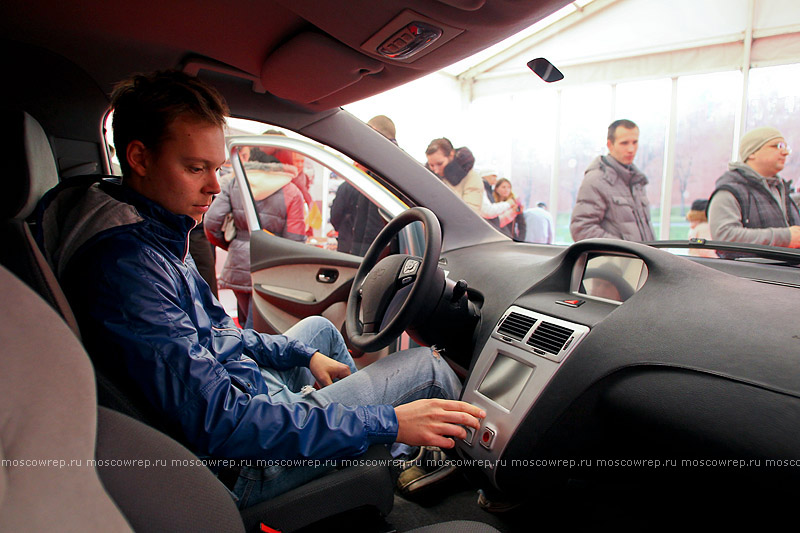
(487, 438)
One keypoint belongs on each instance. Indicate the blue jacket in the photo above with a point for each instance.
(142, 306)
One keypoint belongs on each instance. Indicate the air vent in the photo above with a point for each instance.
(516, 325)
(549, 337)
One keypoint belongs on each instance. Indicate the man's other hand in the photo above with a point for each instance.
(325, 370)
(432, 422)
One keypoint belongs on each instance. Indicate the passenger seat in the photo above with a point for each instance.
(49, 418)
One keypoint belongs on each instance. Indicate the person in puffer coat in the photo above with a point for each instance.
(612, 200)
(280, 210)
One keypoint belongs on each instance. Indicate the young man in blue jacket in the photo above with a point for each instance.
(121, 251)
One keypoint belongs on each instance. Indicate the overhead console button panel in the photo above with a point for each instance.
(409, 40)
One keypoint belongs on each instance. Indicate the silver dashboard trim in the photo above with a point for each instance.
(504, 422)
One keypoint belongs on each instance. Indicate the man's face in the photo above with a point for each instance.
(769, 159)
(438, 160)
(625, 144)
(181, 175)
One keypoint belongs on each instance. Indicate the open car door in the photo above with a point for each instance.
(343, 208)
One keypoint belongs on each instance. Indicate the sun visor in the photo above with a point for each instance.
(328, 65)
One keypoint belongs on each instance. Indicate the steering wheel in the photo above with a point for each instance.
(389, 294)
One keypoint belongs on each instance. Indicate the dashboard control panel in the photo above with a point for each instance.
(522, 355)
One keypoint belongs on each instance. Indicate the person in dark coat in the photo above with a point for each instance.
(353, 215)
(751, 202)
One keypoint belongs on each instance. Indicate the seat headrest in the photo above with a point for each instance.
(32, 169)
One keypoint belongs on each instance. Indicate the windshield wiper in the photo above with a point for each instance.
(758, 251)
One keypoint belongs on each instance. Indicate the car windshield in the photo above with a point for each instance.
(692, 116)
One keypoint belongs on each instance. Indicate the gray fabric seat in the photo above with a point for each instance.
(149, 482)
(32, 172)
(159, 484)
(47, 441)
(49, 413)
(68, 466)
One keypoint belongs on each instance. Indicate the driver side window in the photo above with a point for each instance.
(299, 198)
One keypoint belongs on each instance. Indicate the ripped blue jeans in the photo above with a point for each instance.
(399, 378)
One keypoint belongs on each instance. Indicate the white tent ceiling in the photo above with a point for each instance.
(623, 40)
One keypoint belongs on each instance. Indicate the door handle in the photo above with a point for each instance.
(327, 275)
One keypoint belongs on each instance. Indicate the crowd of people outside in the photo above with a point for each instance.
(487, 194)
(751, 202)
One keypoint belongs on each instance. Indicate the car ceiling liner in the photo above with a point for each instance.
(335, 67)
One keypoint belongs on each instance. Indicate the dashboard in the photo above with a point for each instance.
(657, 357)
(526, 349)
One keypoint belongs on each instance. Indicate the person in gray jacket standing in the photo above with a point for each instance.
(612, 200)
(751, 202)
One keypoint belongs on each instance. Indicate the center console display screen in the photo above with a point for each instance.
(505, 380)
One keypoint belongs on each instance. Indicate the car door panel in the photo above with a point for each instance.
(293, 280)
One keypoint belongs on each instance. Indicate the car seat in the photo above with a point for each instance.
(48, 414)
(31, 172)
(54, 442)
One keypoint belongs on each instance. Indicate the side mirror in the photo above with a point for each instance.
(545, 70)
